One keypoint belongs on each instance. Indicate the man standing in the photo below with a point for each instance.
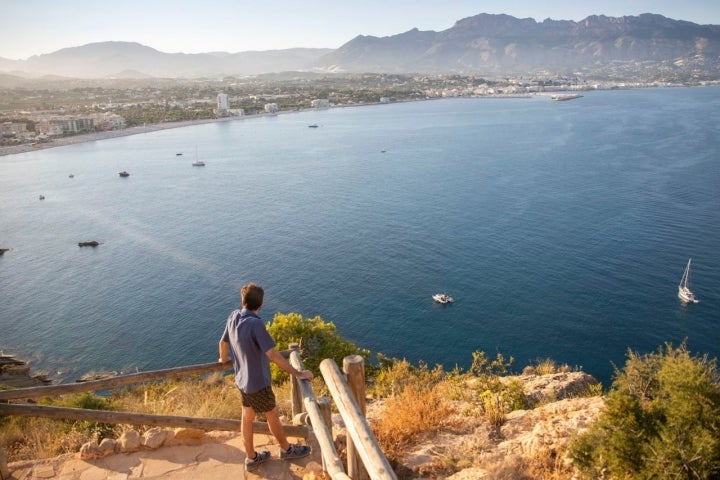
(252, 349)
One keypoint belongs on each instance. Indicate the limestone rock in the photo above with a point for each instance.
(90, 451)
(154, 438)
(130, 441)
(473, 473)
(107, 447)
(557, 386)
(186, 436)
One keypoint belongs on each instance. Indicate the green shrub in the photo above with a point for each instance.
(661, 420)
(88, 401)
(318, 340)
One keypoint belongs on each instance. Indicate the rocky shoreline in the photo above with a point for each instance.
(15, 373)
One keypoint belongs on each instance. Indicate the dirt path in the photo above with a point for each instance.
(219, 456)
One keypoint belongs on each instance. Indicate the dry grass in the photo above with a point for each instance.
(546, 366)
(548, 465)
(410, 416)
(214, 397)
(37, 438)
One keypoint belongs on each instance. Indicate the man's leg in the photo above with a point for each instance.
(248, 417)
(273, 420)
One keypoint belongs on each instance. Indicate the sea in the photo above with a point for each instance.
(561, 229)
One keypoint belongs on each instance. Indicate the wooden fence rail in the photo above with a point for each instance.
(112, 382)
(125, 418)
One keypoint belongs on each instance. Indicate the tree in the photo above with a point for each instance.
(661, 420)
(318, 340)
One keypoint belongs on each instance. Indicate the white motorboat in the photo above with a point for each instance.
(443, 298)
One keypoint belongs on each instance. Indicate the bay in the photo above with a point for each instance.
(561, 229)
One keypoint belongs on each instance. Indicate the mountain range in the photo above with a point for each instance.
(481, 45)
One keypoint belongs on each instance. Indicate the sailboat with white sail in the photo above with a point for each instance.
(198, 162)
(684, 292)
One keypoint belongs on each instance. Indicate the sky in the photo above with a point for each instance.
(34, 27)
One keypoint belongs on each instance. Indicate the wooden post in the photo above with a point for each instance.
(4, 470)
(331, 460)
(295, 393)
(354, 368)
(325, 405)
(373, 458)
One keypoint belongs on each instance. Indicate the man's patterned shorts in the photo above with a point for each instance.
(260, 401)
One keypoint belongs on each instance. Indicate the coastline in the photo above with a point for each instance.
(16, 373)
(97, 136)
(104, 135)
(155, 127)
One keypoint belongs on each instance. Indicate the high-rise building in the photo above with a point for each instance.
(222, 105)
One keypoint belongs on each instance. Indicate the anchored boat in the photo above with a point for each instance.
(197, 162)
(443, 298)
(684, 292)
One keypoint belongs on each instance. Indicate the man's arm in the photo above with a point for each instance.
(224, 348)
(277, 358)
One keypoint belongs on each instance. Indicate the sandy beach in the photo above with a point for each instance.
(96, 136)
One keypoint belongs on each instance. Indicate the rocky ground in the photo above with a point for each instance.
(471, 451)
(539, 436)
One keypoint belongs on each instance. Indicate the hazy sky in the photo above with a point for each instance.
(33, 27)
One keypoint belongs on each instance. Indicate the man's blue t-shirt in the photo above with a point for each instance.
(249, 340)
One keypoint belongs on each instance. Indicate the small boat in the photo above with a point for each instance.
(91, 243)
(71, 176)
(442, 298)
(564, 98)
(3, 250)
(314, 125)
(178, 154)
(124, 174)
(42, 197)
(684, 292)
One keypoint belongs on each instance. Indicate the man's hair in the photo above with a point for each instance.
(252, 296)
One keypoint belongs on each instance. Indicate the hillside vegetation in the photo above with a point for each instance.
(659, 419)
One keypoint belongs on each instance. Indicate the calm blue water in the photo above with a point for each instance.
(561, 229)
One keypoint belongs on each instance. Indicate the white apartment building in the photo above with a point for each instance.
(320, 103)
(271, 108)
(222, 105)
(63, 125)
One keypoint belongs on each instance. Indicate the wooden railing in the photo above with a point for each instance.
(305, 407)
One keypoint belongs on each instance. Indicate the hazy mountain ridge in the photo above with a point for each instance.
(120, 59)
(502, 44)
(483, 44)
